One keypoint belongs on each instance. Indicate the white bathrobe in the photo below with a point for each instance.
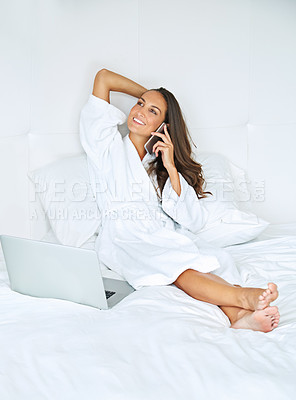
(145, 239)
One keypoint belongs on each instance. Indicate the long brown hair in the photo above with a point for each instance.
(183, 157)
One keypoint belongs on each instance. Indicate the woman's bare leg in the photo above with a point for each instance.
(215, 290)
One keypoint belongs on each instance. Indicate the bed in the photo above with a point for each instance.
(158, 343)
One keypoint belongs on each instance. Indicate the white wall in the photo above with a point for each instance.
(231, 64)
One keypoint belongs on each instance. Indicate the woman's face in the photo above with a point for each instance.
(148, 114)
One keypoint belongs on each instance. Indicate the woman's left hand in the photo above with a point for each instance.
(166, 148)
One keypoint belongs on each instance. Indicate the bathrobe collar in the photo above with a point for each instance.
(138, 169)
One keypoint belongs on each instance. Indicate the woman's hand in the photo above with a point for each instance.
(166, 148)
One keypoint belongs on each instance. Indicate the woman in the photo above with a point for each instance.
(151, 204)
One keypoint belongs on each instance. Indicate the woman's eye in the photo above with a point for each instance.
(140, 103)
(153, 111)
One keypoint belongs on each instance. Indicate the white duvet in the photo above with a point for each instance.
(158, 343)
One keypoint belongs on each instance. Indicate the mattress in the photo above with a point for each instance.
(158, 343)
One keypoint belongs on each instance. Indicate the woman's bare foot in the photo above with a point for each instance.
(267, 296)
(259, 299)
(260, 320)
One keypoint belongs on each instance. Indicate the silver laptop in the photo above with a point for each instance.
(51, 270)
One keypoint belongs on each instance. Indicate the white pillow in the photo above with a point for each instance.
(64, 190)
(227, 223)
(225, 180)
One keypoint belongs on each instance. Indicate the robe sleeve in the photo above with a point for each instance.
(186, 209)
(98, 129)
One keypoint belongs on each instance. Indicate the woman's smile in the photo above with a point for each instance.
(137, 121)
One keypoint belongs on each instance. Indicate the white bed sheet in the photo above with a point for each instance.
(158, 343)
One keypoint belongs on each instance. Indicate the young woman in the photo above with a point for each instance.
(151, 204)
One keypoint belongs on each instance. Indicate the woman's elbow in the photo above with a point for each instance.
(102, 73)
(101, 87)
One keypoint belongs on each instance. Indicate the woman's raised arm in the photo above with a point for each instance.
(106, 81)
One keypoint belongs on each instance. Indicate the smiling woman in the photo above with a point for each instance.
(161, 248)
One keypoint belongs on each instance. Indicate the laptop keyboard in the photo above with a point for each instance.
(108, 293)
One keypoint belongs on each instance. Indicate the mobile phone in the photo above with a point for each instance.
(151, 142)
